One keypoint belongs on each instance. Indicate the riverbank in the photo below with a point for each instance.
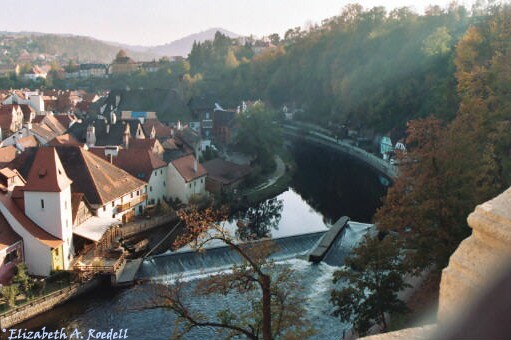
(44, 303)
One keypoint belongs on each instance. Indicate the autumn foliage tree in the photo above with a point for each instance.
(274, 310)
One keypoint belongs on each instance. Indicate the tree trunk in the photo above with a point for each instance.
(265, 285)
(384, 322)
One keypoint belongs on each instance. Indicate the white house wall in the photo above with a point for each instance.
(37, 254)
(156, 188)
(178, 188)
(55, 217)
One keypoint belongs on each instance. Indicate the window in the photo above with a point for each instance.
(12, 256)
(131, 195)
(190, 185)
(163, 183)
(42, 204)
(202, 180)
(113, 204)
(161, 171)
(155, 173)
(151, 189)
(104, 208)
(113, 215)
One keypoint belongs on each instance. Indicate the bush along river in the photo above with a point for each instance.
(326, 186)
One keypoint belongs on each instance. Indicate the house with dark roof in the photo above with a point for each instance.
(186, 179)
(104, 132)
(166, 104)
(110, 191)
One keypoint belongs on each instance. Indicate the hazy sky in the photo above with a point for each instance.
(152, 22)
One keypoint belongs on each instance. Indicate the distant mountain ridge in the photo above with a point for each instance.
(183, 46)
(88, 49)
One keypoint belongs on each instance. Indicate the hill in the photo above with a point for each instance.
(183, 46)
(64, 47)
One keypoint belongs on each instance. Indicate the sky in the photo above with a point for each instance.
(155, 22)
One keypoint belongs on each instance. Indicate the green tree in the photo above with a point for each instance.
(259, 135)
(370, 281)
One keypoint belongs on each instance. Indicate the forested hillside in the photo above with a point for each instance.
(369, 67)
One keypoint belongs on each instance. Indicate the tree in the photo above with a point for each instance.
(274, 310)
(259, 135)
(370, 282)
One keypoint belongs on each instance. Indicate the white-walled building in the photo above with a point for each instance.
(47, 201)
(186, 178)
(142, 164)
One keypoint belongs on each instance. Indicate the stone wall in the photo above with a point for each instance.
(45, 303)
(478, 257)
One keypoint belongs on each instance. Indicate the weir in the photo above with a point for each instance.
(193, 263)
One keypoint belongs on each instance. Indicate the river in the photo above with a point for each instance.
(326, 186)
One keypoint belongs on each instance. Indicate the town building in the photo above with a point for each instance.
(186, 179)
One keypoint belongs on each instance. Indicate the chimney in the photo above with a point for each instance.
(110, 158)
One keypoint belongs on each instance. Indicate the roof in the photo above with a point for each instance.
(145, 144)
(184, 166)
(47, 173)
(32, 228)
(65, 120)
(100, 181)
(7, 154)
(138, 163)
(115, 133)
(226, 172)
(94, 227)
(28, 141)
(8, 237)
(162, 131)
(43, 131)
(62, 140)
(51, 122)
(166, 103)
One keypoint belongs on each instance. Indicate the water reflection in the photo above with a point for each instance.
(335, 184)
(260, 220)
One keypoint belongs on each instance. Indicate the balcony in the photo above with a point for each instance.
(131, 204)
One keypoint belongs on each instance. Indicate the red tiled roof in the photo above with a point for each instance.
(138, 163)
(51, 122)
(8, 237)
(145, 144)
(162, 131)
(226, 172)
(184, 166)
(32, 228)
(47, 173)
(43, 131)
(7, 154)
